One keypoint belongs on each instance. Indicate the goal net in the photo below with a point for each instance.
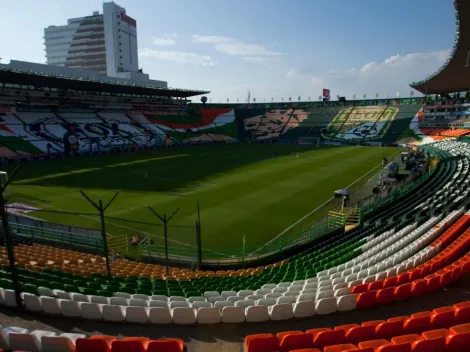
(3, 180)
(309, 140)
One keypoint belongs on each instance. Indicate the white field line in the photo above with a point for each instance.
(317, 208)
(162, 200)
(140, 206)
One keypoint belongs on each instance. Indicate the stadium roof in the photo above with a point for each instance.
(38, 79)
(454, 75)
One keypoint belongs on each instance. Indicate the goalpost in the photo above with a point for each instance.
(309, 140)
(3, 180)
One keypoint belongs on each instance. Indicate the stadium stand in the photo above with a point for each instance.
(414, 244)
(393, 257)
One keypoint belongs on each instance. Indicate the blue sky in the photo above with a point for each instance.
(272, 48)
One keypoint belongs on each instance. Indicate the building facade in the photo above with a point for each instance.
(105, 43)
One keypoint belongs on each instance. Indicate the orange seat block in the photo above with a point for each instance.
(460, 329)
(129, 346)
(403, 278)
(95, 344)
(340, 348)
(166, 345)
(462, 315)
(402, 292)
(281, 334)
(433, 334)
(437, 344)
(462, 304)
(418, 287)
(361, 333)
(307, 350)
(417, 323)
(359, 288)
(295, 341)
(385, 295)
(315, 332)
(372, 322)
(327, 338)
(390, 281)
(109, 339)
(261, 343)
(442, 317)
(374, 344)
(389, 329)
(346, 327)
(405, 339)
(366, 299)
(375, 285)
(456, 342)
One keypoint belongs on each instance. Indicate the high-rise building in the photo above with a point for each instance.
(106, 43)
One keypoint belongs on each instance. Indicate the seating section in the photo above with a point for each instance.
(29, 133)
(44, 132)
(439, 134)
(19, 339)
(445, 329)
(414, 245)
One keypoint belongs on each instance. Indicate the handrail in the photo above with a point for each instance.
(76, 239)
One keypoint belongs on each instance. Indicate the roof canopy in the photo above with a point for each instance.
(14, 76)
(454, 76)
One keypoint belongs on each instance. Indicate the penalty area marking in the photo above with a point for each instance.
(317, 208)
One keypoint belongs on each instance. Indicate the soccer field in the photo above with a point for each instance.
(256, 190)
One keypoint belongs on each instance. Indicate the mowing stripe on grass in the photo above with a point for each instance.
(319, 207)
(106, 221)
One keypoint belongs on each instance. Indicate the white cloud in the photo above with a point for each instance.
(211, 39)
(234, 47)
(317, 81)
(178, 56)
(393, 74)
(165, 40)
(258, 59)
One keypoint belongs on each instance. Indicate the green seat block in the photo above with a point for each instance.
(6, 284)
(29, 288)
(142, 291)
(89, 291)
(71, 288)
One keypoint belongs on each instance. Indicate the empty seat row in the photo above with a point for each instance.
(438, 325)
(20, 339)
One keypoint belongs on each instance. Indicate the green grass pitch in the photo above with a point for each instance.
(256, 190)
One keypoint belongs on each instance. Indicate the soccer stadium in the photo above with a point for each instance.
(137, 217)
